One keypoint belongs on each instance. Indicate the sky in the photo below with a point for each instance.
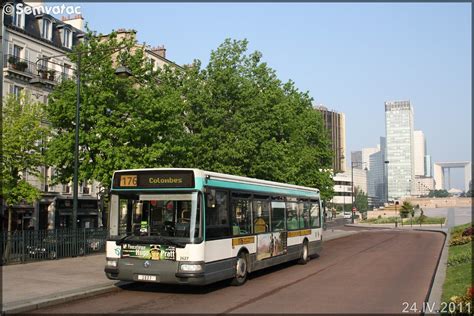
(350, 57)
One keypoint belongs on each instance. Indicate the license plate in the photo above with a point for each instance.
(144, 277)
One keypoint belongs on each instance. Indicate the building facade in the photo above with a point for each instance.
(419, 153)
(400, 149)
(35, 48)
(423, 185)
(342, 191)
(335, 124)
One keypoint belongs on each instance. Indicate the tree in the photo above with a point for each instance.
(438, 193)
(124, 123)
(407, 208)
(361, 201)
(243, 120)
(233, 116)
(24, 135)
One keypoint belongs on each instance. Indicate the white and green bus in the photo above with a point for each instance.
(189, 226)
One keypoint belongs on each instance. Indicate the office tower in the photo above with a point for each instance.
(419, 152)
(400, 149)
(335, 124)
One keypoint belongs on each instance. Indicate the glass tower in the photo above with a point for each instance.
(399, 149)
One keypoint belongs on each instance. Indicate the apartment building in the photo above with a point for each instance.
(35, 47)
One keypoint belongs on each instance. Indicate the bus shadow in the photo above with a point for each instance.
(174, 288)
(199, 290)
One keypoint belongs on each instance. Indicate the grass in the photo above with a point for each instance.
(406, 221)
(458, 275)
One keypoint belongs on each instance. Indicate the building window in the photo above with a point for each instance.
(66, 188)
(67, 38)
(85, 190)
(18, 19)
(16, 90)
(46, 30)
(17, 52)
(66, 71)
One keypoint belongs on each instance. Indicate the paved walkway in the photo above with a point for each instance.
(31, 286)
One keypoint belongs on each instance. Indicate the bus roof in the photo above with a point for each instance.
(231, 178)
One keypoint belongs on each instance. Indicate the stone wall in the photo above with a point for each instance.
(441, 202)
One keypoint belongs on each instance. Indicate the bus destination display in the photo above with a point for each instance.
(154, 179)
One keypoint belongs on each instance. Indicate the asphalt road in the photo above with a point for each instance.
(373, 271)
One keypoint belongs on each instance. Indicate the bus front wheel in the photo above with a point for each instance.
(304, 254)
(241, 270)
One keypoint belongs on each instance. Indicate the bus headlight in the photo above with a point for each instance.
(191, 267)
(112, 263)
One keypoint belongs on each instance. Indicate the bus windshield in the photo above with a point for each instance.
(160, 217)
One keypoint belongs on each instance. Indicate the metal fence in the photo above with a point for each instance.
(34, 245)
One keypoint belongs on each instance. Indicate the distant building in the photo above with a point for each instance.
(155, 55)
(443, 181)
(361, 159)
(335, 124)
(342, 191)
(423, 185)
(428, 166)
(400, 148)
(419, 153)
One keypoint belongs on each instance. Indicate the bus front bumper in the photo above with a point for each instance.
(159, 271)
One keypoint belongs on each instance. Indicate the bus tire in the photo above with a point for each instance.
(241, 270)
(304, 253)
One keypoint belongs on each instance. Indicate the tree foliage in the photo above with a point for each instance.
(124, 123)
(439, 193)
(406, 208)
(233, 115)
(361, 200)
(24, 135)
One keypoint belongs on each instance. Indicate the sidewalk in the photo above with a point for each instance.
(30, 286)
(33, 285)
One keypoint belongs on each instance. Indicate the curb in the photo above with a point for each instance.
(430, 227)
(33, 304)
(436, 288)
(341, 235)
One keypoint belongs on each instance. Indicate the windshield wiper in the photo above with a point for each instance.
(121, 240)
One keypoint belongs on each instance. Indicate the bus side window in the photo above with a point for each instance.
(292, 222)
(241, 217)
(304, 211)
(217, 216)
(315, 214)
(261, 216)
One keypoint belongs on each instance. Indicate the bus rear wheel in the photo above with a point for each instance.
(241, 271)
(304, 254)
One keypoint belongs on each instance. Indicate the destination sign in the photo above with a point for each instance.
(154, 179)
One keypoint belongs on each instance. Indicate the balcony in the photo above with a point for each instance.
(34, 73)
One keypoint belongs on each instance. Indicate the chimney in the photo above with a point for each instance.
(76, 21)
(159, 50)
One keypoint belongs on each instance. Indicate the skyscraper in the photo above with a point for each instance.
(335, 124)
(400, 148)
(420, 152)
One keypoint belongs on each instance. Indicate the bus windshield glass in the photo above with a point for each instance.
(160, 217)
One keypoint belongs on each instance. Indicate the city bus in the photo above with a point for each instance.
(190, 226)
